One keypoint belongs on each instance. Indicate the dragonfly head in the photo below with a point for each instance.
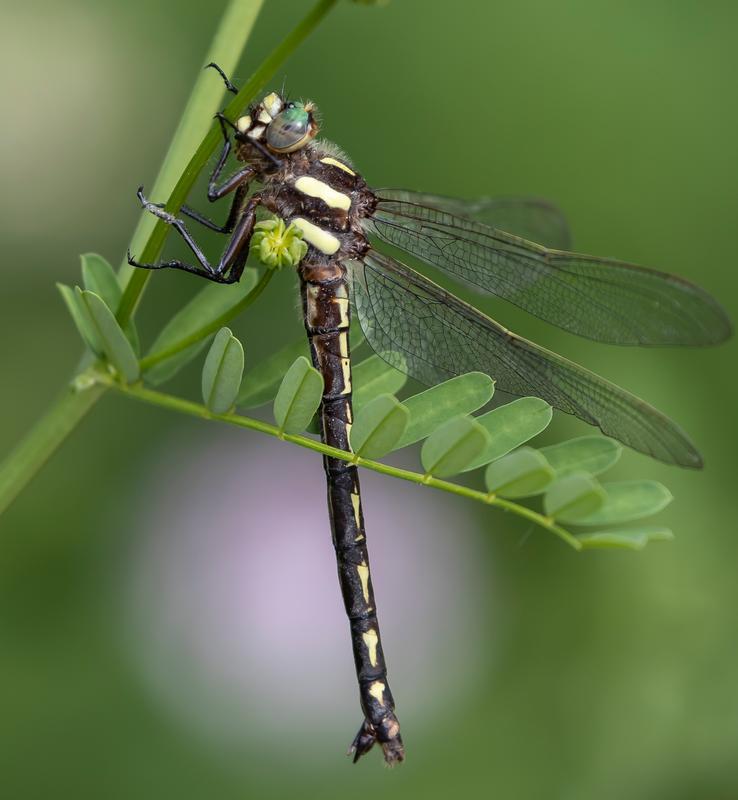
(284, 125)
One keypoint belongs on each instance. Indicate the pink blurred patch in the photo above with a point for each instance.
(236, 617)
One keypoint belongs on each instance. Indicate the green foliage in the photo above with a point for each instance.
(298, 397)
(451, 448)
(627, 538)
(626, 501)
(81, 317)
(374, 376)
(511, 425)
(222, 372)
(592, 454)
(210, 304)
(262, 381)
(520, 474)
(431, 408)
(574, 498)
(378, 426)
(108, 333)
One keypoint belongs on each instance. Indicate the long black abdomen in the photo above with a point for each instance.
(327, 315)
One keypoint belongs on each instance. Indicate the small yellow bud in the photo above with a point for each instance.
(276, 245)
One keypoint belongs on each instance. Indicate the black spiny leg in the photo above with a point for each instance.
(230, 267)
(228, 84)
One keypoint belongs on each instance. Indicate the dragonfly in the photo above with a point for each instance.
(424, 330)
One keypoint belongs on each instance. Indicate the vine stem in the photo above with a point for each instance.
(191, 409)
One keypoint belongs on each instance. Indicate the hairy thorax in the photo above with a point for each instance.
(317, 190)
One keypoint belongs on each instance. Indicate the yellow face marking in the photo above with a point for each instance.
(376, 690)
(243, 123)
(356, 503)
(371, 640)
(321, 240)
(334, 162)
(363, 571)
(315, 188)
(272, 103)
(264, 117)
(257, 132)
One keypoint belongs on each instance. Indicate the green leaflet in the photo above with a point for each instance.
(522, 473)
(571, 498)
(629, 500)
(99, 277)
(378, 426)
(113, 341)
(298, 397)
(210, 304)
(260, 383)
(592, 454)
(222, 372)
(627, 538)
(81, 318)
(511, 425)
(374, 376)
(431, 408)
(452, 447)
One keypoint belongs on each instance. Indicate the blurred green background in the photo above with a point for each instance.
(603, 675)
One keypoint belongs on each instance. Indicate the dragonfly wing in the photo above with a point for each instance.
(531, 218)
(600, 298)
(432, 335)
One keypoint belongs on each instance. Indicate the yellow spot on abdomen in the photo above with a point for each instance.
(315, 188)
(363, 571)
(376, 690)
(334, 162)
(356, 503)
(371, 640)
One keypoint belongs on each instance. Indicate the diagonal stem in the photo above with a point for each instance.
(183, 406)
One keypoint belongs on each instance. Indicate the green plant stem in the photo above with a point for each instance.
(182, 406)
(162, 355)
(231, 37)
(46, 436)
(153, 247)
(206, 98)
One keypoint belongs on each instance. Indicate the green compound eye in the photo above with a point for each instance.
(290, 130)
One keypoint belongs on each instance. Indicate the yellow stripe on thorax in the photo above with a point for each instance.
(315, 188)
(334, 162)
(321, 240)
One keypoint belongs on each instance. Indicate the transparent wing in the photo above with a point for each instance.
(600, 298)
(432, 335)
(528, 217)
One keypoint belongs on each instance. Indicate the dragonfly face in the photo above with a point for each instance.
(424, 330)
(283, 126)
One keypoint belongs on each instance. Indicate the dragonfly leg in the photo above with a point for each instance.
(226, 81)
(231, 265)
(230, 222)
